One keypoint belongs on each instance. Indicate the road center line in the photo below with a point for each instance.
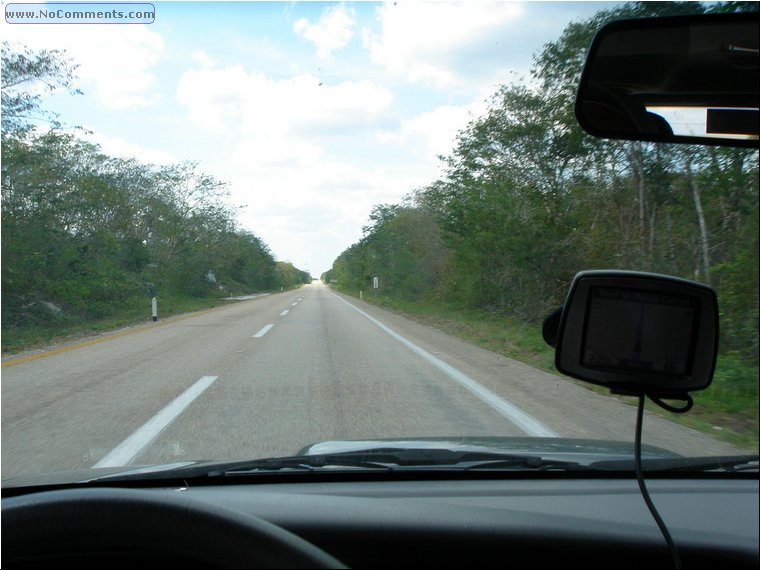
(285, 312)
(524, 421)
(131, 447)
(264, 330)
(294, 304)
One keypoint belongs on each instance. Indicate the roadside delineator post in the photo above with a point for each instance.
(150, 289)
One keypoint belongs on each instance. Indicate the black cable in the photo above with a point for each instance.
(682, 410)
(643, 488)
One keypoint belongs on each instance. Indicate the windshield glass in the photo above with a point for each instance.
(242, 230)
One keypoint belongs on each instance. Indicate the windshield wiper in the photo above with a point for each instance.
(405, 459)
(203, 469)
(384, 459)
(729, 464)
(399, 459)
(297, 463)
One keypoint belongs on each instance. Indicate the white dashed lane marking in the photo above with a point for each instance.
(264, 330)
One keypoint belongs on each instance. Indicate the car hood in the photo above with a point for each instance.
(582, 451)
(579, 450)
(75, 476)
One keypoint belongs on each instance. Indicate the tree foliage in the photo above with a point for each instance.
(85, 232)
(25, 76)
(527, 199)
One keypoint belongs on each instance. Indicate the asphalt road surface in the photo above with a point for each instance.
(266, 376)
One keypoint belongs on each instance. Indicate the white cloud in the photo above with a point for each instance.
(202, 58)
(278, 143)
(433, 133)
(332, 32)
(117, 61)
(273, 141)
(424, 41)
(115, 146)
(310, 214)
(230, 99)
(275, 150)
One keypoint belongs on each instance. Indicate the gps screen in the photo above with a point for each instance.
(631, 330)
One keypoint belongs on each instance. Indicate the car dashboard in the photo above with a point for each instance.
(443, 522)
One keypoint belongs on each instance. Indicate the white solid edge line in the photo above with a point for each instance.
(524, 421)
(264, 330)
(131, 447)
(285, 312)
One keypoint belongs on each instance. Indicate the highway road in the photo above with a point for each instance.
(267, 376)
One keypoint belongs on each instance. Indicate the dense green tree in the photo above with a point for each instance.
(527, 199)
(83, 232)
(289, 276)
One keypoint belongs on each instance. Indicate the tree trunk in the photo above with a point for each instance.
(704, 240)
(636, 160)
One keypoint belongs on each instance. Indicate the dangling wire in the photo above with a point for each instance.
(682, 410)
(643, 488)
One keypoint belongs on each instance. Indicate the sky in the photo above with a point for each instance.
(312, 112)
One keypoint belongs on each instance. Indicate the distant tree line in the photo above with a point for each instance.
(87, 232)
(527, 199)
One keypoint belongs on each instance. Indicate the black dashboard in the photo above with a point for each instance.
(445, 523)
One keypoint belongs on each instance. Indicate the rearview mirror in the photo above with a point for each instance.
(689, 79)
(638, 332)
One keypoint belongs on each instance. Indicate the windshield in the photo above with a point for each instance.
(234, 231)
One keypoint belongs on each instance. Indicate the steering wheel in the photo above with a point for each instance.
(105, 524)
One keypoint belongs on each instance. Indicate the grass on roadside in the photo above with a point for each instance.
(67, 327)
(727, 410)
